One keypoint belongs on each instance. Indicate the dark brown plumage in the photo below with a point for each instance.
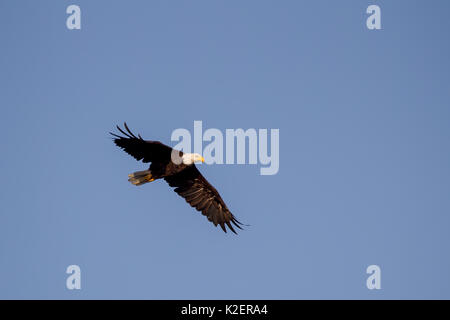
(188, 182)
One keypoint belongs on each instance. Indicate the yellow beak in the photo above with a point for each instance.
(203, 159)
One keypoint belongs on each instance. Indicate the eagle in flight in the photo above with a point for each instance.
(182, 175)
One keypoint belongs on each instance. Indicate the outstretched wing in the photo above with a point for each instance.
(140, 149)
(200, 194)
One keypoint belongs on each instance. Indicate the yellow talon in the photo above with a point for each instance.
(140, 177)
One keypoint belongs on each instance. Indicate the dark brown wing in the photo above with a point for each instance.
(200, 194)
(140, 149)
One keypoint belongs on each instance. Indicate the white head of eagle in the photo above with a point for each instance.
(191, 158)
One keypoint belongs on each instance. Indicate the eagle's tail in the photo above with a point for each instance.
(140, 177)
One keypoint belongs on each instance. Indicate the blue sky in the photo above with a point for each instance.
(364, 155)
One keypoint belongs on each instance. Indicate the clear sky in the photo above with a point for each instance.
(364, 173)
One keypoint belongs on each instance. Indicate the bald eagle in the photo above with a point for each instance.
(184, 177)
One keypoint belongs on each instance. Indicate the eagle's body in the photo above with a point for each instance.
(183, 176)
